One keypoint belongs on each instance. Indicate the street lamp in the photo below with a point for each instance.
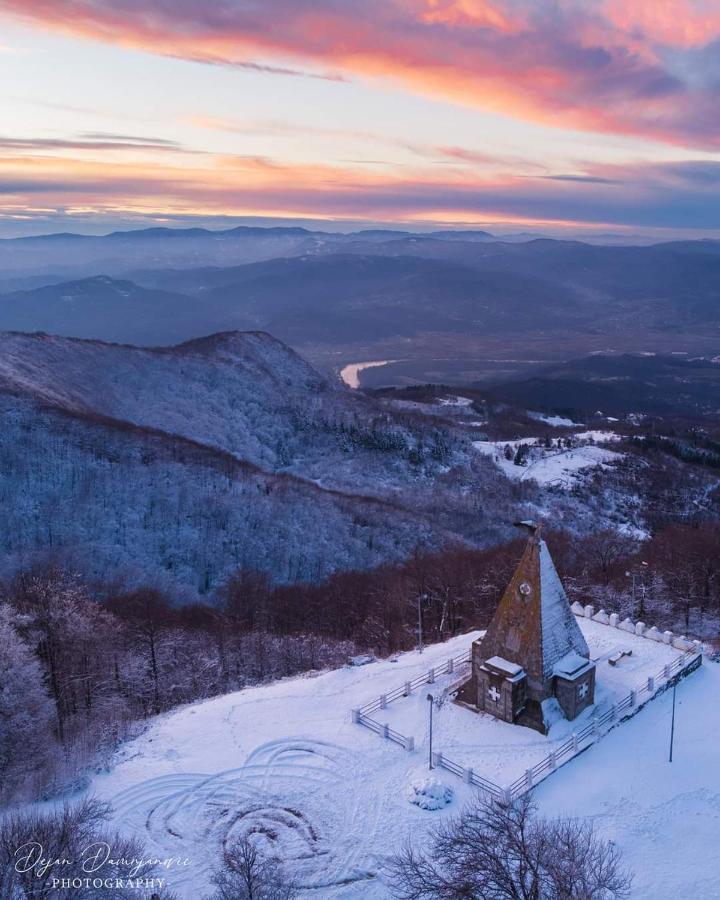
(430, 699)
(420, 599)
(672, 723)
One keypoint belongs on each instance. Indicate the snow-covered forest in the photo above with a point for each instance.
(179, 466)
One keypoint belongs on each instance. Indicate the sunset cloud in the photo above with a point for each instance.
(674, 23)
(436, 153)
(662, 195)
(599, 65)
(90, 141)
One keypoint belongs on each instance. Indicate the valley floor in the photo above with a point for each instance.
(285, 761)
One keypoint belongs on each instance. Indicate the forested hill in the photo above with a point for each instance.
(181, 465)
(244, 393)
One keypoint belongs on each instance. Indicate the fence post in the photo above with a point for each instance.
(408, 689)
(383, 701)
(553, 760)
(410, 744)
(528, 778)
(468, 775)
(575, 742)
(666, 671)
(613, 713)
(633, 698)
(595, 727)
(651, 685)
(356, 716)
(431, 676)
(437, 760)
(386, 731)
(450, 665)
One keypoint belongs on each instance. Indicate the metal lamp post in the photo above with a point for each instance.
(430, 755)
(632, 575)
(672, 723)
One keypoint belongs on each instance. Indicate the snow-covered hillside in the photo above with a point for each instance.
(127, 459)
(183, 464)
(286, 760)
(244, 393)
(236, 391)
(112, 499)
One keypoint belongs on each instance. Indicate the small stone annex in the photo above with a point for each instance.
(533, 663)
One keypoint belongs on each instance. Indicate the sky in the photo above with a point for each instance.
(564, 116)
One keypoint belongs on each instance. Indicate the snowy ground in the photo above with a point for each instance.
(285, 761)
(553, 466)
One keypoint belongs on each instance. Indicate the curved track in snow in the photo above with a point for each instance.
(285, 795)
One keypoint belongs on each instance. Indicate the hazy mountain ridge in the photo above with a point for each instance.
(387, 295)
(102, 307)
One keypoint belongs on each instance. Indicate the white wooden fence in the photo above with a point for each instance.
(362, 715)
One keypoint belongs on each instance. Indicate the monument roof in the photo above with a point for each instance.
(533, 626)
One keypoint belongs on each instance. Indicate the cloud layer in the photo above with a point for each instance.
(665, 195)
(649, 68)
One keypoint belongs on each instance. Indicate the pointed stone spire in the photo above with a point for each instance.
(533, 625)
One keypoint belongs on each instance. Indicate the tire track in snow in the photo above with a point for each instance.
(291, 795)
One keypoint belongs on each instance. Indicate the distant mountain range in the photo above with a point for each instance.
(376, 295)
(74, 255)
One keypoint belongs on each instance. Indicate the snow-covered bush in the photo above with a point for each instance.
(430, 793)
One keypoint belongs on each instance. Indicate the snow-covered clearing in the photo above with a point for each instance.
(286, 762)
(556, 421)
(456, 401)
(553, 466)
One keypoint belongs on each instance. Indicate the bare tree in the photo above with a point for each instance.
(247, 874)
(149, 615)
(491, 852)
(39, 851)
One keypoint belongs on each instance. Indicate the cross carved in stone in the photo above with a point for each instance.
(494, 694)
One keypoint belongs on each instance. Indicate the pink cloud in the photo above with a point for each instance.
(591, 64)
(665, 195)
(674, 23)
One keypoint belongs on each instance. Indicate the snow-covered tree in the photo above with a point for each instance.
(26, 713)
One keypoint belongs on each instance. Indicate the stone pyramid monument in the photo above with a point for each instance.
(533, 657)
